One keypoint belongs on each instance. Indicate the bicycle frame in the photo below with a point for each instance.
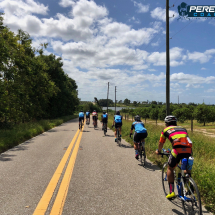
(182, 179)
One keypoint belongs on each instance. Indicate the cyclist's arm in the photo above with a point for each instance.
(160, 146)
(161, 142)
(132, 128)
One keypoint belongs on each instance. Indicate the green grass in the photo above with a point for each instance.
(203, 171)
(22, 132)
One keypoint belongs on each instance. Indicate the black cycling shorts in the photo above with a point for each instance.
(117, 125)
(139, 136)
(94, 117)
(173, 161)
(104, 120)
(81, 118)
(87, 116)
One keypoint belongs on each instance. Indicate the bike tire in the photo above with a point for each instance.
(193, 205)
(143, 156)
(164, 179)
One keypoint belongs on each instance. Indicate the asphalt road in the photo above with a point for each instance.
(98, 177)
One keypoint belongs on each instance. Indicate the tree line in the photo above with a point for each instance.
(32, 85)
(202, 113)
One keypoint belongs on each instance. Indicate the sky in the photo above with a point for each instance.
(123, 42)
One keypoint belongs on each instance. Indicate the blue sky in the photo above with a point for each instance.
(123, 42)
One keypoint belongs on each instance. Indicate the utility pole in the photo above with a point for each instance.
(167, 60)
(107, 96)
(178, 99)
(115, 99)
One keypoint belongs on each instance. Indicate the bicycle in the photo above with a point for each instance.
(81, 125)
(187, 189)
(87, 121)
(118, 138)
(105, 128)
(141, 152)
(95, 123)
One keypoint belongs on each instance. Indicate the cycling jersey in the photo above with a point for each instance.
(104, 116)
(118, 119)
(178, 137)
(139, 127)
(94, 114)
(88, 114)
(81, 114)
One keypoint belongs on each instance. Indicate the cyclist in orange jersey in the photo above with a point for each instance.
(182, 148)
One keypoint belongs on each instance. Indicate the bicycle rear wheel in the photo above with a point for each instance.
(164, 179)
(143, 156)
(192, 204)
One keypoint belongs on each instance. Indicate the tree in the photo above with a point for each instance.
(103, 102)
(127, 101)
(135, 103)
(204, 113)
(154, 114)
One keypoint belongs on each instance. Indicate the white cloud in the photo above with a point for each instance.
(210, 91)
(21, 8)
(159, 58)
(191, 79)
(160, 14)
(66, 3)
(141, 8)
(203, 68)
(201, 57)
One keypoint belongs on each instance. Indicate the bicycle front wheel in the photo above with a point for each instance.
(192, 200)
(164, 179)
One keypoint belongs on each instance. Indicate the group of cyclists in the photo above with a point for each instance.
(177, 135)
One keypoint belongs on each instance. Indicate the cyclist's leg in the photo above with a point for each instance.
(173, 161)
(120, 129)
(136, 145)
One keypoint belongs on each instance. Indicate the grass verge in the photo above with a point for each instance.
(22, 132)
(203, 171)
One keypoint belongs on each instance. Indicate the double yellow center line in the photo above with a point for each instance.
(62, 192)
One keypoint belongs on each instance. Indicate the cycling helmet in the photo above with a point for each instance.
(88, 111)
(137, 118)
(104, 112)
(117, 113)
(94, 111)
(169, 119)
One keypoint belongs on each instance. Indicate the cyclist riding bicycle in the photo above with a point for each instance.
(81, 117)
(139, 135)
(182, 148)
(118, 123)
(95, 117)
(104, 119)
(88, 115)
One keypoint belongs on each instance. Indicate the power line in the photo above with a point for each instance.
(181, 29)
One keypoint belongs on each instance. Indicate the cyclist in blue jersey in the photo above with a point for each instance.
(118, 123)
(140, 133)
(81, 117)
(88, 115)
(104, 119)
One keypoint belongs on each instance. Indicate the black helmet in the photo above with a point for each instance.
(104, 112)
(170, 119)
(82, 111)
(88, 111)
(94, 111)
(117, 113)
(137, 118)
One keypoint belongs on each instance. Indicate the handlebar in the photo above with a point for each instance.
(165, 152)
